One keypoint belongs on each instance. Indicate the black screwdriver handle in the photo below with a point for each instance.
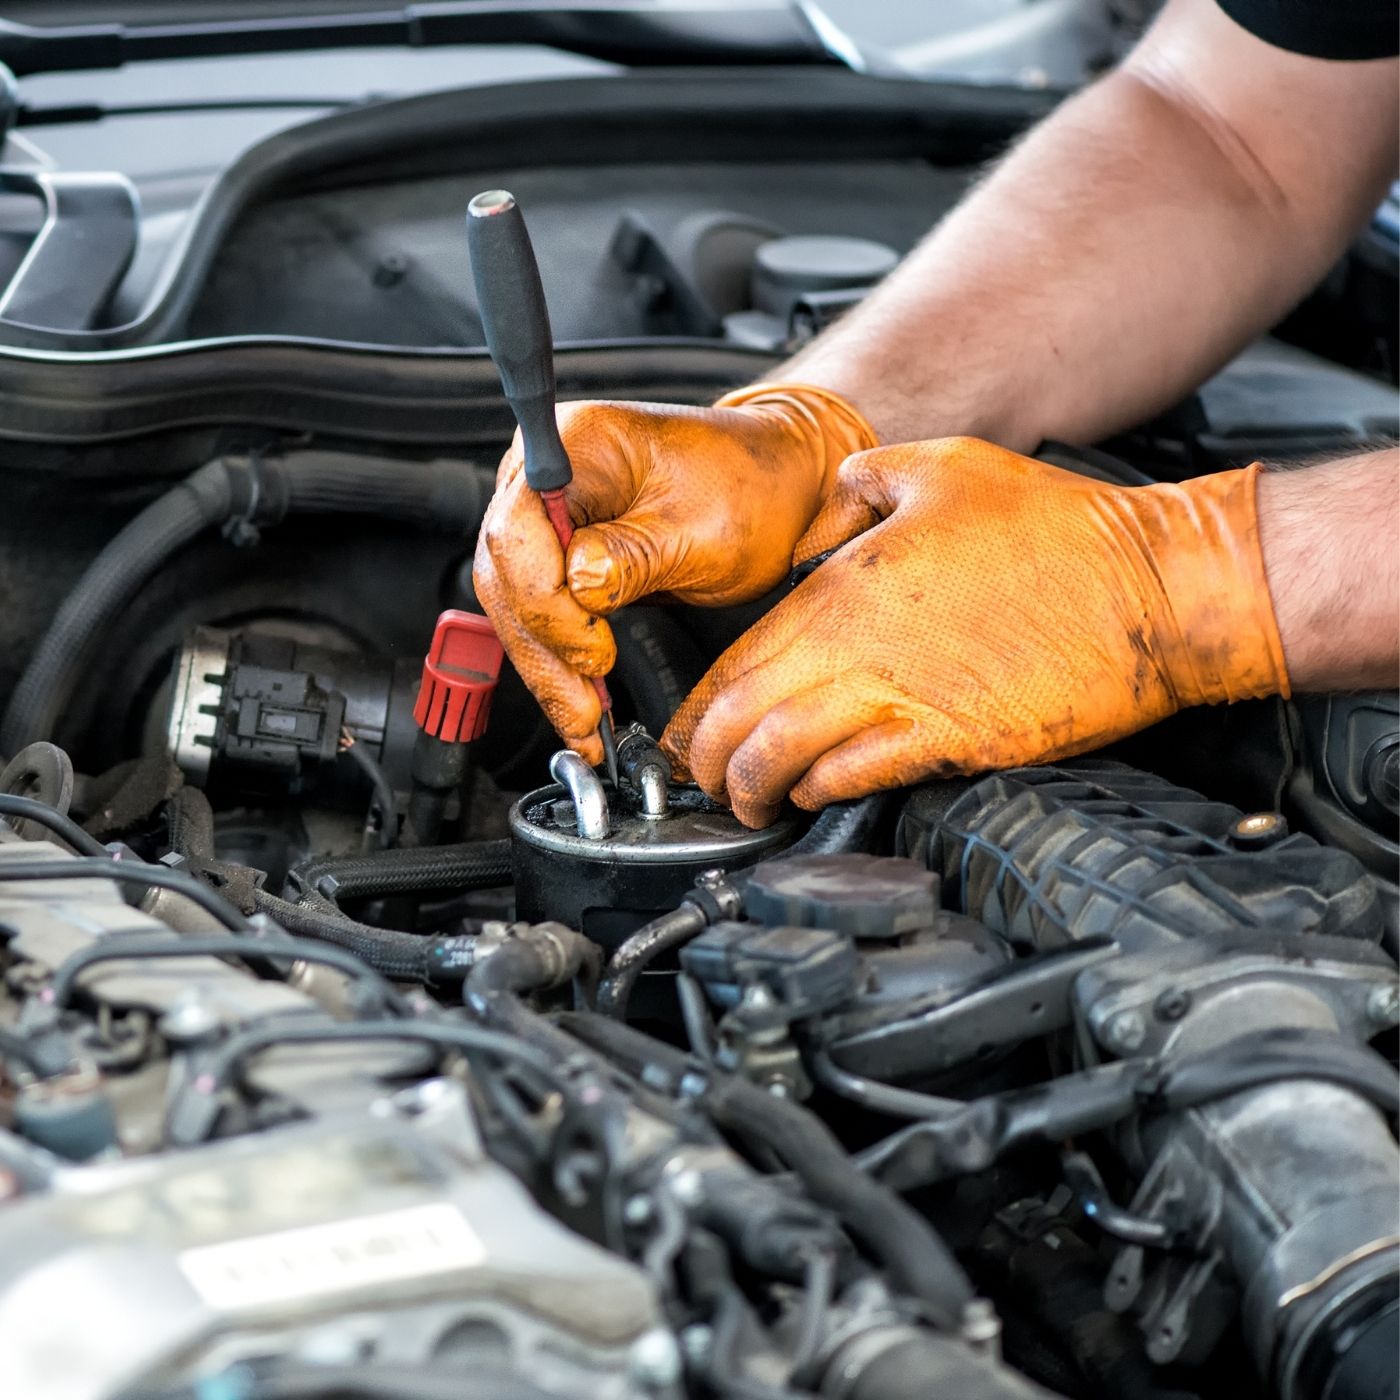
(510, 298)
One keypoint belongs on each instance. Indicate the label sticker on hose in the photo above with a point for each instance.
(333, 1258)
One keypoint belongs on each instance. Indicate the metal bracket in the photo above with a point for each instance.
(1182, 1300)
(1031, 998)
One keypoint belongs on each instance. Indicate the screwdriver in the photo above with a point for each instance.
(515, 319)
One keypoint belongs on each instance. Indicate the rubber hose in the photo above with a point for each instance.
(1259, 1058)
(503, 1010)
(512, 968)
(382, 796)
(897, 1235)
(477, 865)
(190, 824)
(16, 810)
(108, 583)
(843, 827)
(658, 664)
(639, 951)
(435, 494)
(448, 497)
(1092, 462)
(535, 958)
(406, 957)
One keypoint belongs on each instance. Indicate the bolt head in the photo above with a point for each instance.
(692, 1085)
(190, 1018)
(1383, 1005)
(687, 1187)
(981, 1327)
(1125, 1032)
(696, 1341)
(654, 1360)
(1172, 1005)
(1257, 830)
(637, 1210)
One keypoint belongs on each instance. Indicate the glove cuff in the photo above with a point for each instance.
(839, 427)
(1220, 639)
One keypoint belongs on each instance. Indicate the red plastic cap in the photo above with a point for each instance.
(459, 678)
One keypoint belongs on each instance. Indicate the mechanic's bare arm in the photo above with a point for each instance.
(1127, 248)
(1331, 541)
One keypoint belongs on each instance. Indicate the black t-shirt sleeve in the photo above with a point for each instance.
(1349, 29)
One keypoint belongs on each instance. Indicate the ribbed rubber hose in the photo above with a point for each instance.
(475, 865)
(190, 821)
(392, 953)
(404, 957)
(437, 495)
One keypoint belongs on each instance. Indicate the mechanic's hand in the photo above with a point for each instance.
(704, 504)
(988, 611)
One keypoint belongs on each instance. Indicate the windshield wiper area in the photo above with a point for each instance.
(634, 32)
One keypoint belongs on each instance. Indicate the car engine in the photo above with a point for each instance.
(356, 1041)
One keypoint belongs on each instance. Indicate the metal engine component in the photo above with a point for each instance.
(596, 859)
(359, 1238)
(376, 1232)
(42, 771)
(1288, 1191)
(647, 769)
(585, 789)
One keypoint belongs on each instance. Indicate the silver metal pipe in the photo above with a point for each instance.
(586, 789)
(656, 801)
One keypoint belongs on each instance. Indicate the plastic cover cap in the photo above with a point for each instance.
(459, 678)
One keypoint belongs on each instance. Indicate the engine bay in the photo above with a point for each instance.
(359, 1041)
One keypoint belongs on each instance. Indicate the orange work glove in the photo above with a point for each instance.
(988, 611)
(704, 504)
